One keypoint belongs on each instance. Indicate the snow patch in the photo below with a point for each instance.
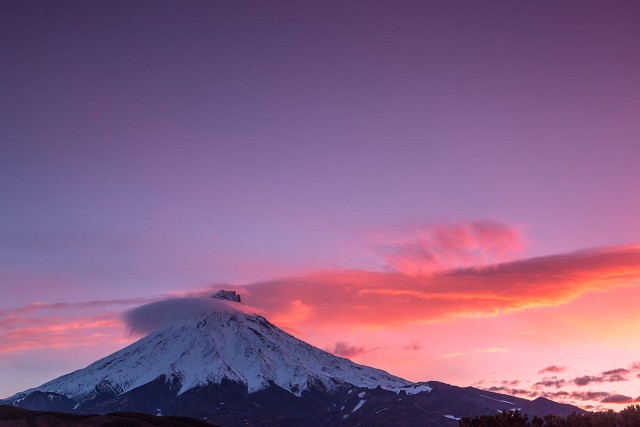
(359, 405)
(497, 400)
(451, 417)
(413, 389)
(361, 395)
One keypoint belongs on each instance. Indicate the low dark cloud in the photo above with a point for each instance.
(414, 345)
(618, 398)
(512, 391)
(541, 388)
(150, 317)
(588, 379)
(550, 382)
(344, 349)
(609, 376)
(553, 369)
(589, 395)
(544, 386)
(556, 394)
(616, 372)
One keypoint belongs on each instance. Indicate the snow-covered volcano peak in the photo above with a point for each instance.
(219, 361)
(208, 348)
(227, 295)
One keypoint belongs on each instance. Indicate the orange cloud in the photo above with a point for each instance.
(296, 313)
(378, 298)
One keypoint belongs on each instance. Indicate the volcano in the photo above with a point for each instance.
(232, 367)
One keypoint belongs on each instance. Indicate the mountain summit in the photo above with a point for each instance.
(230, 366)
(227, 295)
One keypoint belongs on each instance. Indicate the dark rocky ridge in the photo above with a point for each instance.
(228, 296)
(230, 404)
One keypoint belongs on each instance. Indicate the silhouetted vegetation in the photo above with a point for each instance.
(629, 417)
(11, 416)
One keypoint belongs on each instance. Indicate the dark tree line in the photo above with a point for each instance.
(629, 417)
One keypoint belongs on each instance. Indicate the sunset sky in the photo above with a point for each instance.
(447, 190)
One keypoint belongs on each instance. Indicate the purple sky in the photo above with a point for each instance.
(151, 147)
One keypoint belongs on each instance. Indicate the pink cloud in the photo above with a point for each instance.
(94, 304)
(55, 325)
(53, 332)
(450, 245)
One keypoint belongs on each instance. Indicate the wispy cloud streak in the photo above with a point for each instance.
(450, 245)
